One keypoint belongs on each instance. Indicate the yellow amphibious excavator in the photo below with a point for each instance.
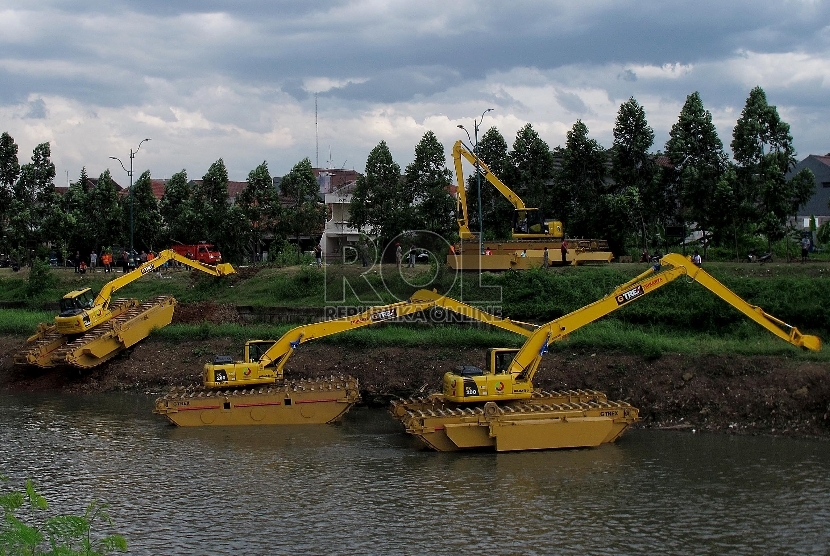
(531, 231)
(91, 329)
(499, 408)
(254, 391)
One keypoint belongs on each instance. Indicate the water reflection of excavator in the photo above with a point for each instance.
(91, 329)
(498, 407)
(531, 232)
(255, 391)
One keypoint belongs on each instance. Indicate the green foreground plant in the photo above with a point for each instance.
(25, 532)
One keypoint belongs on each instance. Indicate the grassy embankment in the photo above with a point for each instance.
(679, 318)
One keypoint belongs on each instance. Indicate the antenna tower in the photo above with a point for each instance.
(316, 135)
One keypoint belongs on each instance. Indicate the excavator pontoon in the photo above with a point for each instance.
(255, 391)
(499, 408)
(92, 329)
(531, 231)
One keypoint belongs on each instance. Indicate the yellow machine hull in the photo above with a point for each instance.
(507, 255)
(46, 347)
(131, 324)
(316, 402)
(548, 420)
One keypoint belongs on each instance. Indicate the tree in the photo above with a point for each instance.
(696, 154)
(260, 206)
(106, 214)
(34, 200)
(633, 167)
(496, 211)
(146, 215)
(176, 208)
(762, 147)
(210, 202)
(9, 172)
(532, 163)
(378, 205)
(76, 208)
(427, 187)
(583, 177)
(307, 215)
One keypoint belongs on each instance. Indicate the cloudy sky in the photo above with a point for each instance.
(238, 80)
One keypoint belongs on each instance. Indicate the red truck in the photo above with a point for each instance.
(202, 252)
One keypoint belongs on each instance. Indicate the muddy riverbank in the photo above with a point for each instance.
(738, 394)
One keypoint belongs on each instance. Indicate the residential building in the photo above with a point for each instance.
(819, 204)
(338, 240)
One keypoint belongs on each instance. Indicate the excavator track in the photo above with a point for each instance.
(41, 349)
(547, 420)
(107, 340)
(289, 402)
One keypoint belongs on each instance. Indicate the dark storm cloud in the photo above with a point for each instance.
(202, 75)
(36, 110)
(398, 85)
(285, 42)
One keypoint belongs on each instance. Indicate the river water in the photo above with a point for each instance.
(363, 487)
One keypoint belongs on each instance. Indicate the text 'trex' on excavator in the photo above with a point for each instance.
(499, 408)
(91, 329)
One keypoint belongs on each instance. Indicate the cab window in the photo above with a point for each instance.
(503, 360)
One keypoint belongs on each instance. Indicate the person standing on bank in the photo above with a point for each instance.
(805, 248)
(546, 258)
(398, 255)
(318, 254)
(93, 261)
(564, 250)
(411, 263)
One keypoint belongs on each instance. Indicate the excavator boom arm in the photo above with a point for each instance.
(111, 287)
(420, 301)
(526, 361)
(459, 151)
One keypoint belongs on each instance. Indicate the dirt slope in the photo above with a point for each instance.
(739, 394)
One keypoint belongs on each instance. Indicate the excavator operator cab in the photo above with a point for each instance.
(254, 349)
(499, 359)
(529, 221)
(76, 302)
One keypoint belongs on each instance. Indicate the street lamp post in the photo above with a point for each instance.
(476, 125)
(130, 173)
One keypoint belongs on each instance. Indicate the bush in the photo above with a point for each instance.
(67, 535)
(40, 279)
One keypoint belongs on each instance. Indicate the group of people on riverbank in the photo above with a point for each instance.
(93, 262)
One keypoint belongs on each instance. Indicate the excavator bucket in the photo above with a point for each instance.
(811, 342)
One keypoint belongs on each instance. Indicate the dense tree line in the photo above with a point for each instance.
(628, 194)
(637, 198)
(93, 215)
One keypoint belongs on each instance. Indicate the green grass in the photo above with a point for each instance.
(22, 322)
(797, 294)
(610, 334)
